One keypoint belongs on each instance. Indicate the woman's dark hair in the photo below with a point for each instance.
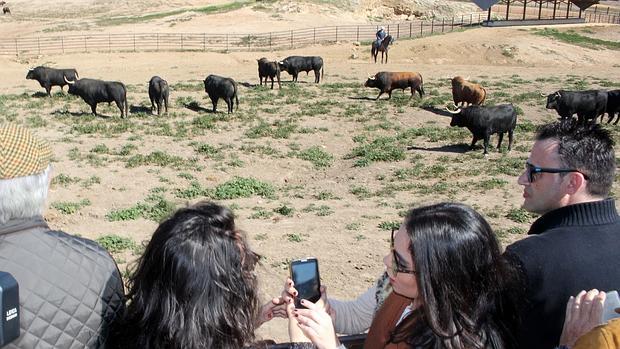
(460, 277)
(194, 286)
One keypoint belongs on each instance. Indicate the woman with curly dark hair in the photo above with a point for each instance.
(194, 286)
(445, 287)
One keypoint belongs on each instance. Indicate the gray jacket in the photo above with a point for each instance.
(70, 289)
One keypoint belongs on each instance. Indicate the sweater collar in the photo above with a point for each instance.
(587, 213)
(21, 224)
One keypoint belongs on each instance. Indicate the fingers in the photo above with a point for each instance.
(289, 288)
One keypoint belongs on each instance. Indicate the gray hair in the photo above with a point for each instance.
(24, 197)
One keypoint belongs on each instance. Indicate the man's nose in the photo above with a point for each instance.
(523, 178)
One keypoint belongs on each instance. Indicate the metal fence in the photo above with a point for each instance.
(229, 42)
(276, 40)
(536, 10)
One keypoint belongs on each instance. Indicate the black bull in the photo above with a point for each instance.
(483, 121)
(48, 77)
(588, 105)
(95, 91)
(295, 64)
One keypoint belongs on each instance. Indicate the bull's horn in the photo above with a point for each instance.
(453, 112)
(77, 77)
(467, 78)
(280, 62)
(558, 94)
(542, 94)
(67, 81)
(372, 77)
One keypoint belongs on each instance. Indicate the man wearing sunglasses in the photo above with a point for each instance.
(574, 244)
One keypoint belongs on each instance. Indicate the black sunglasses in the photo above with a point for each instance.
(532, 170)
(396, 268)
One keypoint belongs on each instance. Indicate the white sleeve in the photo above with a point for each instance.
(353, 317)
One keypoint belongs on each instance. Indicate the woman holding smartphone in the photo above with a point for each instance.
(442, 286)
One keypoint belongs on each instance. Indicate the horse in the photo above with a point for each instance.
(383, 47)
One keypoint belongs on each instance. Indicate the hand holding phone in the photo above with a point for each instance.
(305, 275)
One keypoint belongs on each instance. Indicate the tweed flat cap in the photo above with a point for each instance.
(22, 153)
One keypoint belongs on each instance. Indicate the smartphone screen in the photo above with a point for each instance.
(612, 301)
(305, 275)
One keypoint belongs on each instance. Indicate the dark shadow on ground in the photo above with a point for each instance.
(364, 98)
(39, 94)
(62, 113)
(194, 106)
(452, 148)
(438, 111)
(134, 109)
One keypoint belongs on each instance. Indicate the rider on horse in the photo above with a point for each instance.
(381, 34)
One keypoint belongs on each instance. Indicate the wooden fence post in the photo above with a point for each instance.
(358, 34)
(39, 44)
(336, 33)
(410, 26)
(432, 25)
(452, 27)
(421, 27)
(398, 30)
(62, 43)
(134, 42)
(227, 42)
(85, 48)
(524, 8)
(291, 39)
(313, 35)
(270, 41)
(471, 18)
(134, 47)
(16, 49)
(442, 24)
(109, 43)
(204, 41)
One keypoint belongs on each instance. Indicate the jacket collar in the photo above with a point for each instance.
(21, 224)
(587, 213)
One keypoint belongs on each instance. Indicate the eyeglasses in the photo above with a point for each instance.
(532, 170)
(396, 268)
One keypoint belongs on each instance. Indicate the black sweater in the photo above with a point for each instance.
(569, 249)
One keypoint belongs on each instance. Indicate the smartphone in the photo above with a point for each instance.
(305, 275)
(609, 307)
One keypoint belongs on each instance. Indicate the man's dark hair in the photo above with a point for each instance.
(194, 286)
(588, 148)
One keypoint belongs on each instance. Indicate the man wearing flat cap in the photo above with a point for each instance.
(70, 289)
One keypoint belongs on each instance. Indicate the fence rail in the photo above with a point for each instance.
(273, 40)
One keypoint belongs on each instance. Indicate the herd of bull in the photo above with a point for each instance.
(482, 121)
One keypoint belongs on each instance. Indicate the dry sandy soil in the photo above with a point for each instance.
(340, 213)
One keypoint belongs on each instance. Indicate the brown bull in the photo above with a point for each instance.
(388, 81)
(464, 91)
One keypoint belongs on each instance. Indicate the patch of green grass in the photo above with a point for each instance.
(160, 158)
(114, 243)
(208, 150)
(389, 225)
(156, 208)
(353, 226)
(317, 156)
(518, 215)
(361, 192)
(379, 149)
(294, 237)
(64, 180)
(100, 149)
(285, 210)
(277, 129)
(194, 190)
(66, 207)
(576, 39)
(326, 195)
(241, 187)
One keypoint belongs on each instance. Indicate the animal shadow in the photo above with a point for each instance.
(39, 94)
(360, 98)
(438, 111)
(135, 109)
(194, 106)
(452, 148)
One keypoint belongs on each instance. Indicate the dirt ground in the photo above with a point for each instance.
(350, 234)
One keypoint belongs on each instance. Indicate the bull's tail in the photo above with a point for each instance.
(322, 73)
(237, 96)
(126, 104)
(421, 87)
(484, 96)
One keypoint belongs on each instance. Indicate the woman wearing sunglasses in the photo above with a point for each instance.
(444, 276)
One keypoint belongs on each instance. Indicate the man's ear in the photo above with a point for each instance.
(576, 183)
